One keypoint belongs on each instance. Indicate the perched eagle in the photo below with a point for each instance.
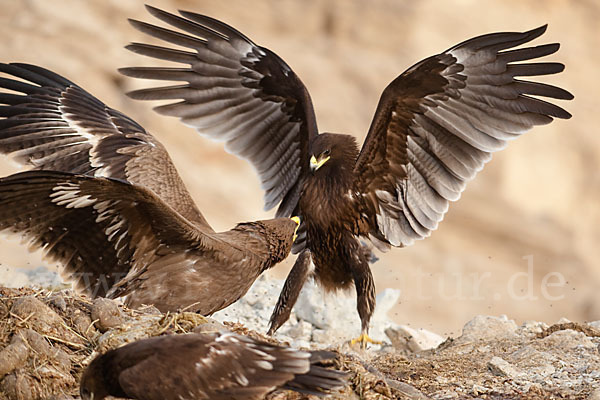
(206, 366)
(434, 128)
(124, 223)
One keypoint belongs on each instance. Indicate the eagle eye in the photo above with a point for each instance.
(327, 152)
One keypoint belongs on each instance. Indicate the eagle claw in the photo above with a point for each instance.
(363, 339)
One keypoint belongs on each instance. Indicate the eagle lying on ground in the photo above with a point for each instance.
(118, 217)
(434, 128)
(206, 366)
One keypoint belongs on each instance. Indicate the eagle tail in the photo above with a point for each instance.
(319, 380)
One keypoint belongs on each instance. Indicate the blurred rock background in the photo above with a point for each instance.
(522, 241)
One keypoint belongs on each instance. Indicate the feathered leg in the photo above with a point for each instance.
(365, 301)
(290, 292)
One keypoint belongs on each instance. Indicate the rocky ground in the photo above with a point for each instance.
(534, 208)
(48, 337)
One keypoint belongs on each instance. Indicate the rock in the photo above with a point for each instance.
(18, 386)
(330, 318)
(43, 350)
(301, 331)
(148, 309)
(303, 344)
(43, 277)
(386, 300)
(13, 356)
(129, 331)
(595, 395)
(211, 326)
(320, 336)
(11, 278)
(501, 367)
(38, 316)
(404, 337)
(445, 394)
(4, 310)
(569, 339)
(58, 301)
(328, 337)
(106, 314)
(20, 277)
(478, 389)
(254, 309)
(532, 327)
(327, 311)
(406, 391)
(336, 312)
(486, 327)
(83, 324)
(538, 364)
(594, 324)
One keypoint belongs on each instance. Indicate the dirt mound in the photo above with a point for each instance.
(48, 338)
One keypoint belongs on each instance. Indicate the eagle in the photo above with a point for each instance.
(104, 200)
(206, 366)
(434, 128)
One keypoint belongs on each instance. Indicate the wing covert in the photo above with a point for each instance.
(53, 124)
(439, 122)
(236, 92)
(223, 366)
(101, 230)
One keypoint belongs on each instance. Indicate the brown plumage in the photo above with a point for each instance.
(435, 127)
(206, 366)
(124, 224)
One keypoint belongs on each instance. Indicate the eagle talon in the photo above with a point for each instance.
(363, 339)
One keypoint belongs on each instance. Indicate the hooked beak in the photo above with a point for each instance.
(297, 221)
(316, 164)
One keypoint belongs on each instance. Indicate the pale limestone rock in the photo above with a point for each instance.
(532, 327)
(595, 395)
(106, 313)
(569, 339)
(415, 340)
(499, 366)
(486, 327)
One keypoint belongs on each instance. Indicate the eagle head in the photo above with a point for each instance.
(92, 385)
(337, 152)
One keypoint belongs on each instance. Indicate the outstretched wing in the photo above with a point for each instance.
(50, 123)
(236, 92)
(438, 123)
(100, 229)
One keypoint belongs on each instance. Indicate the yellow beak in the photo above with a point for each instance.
(315, 165)
(297, 221)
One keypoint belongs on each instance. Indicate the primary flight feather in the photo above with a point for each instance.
(435, 127)
(106, 202)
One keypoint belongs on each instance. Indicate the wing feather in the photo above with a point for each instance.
(236, 92)
(53, 124)
(438, 123)
(218, 366)
(100, 229)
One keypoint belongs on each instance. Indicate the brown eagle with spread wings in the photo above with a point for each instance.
(206, 366)
(435, 127)
(118, 217)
